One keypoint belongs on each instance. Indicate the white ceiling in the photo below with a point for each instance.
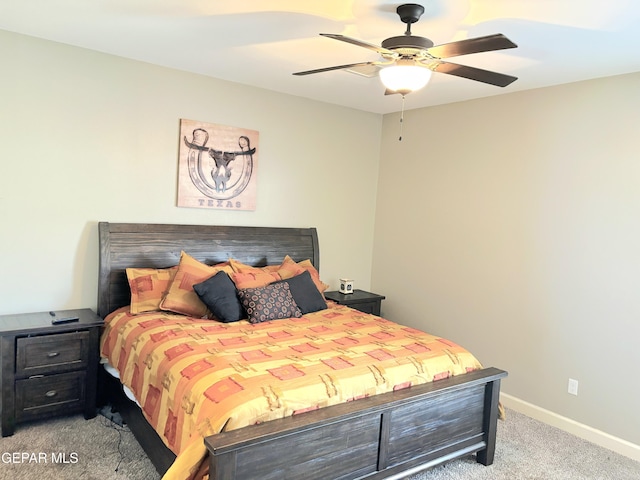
(262, 42)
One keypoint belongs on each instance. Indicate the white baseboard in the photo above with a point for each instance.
(585, 432)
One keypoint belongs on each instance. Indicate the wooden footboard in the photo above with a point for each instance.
(386, 436)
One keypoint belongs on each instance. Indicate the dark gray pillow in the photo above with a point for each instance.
(305, 293)
(219, 294)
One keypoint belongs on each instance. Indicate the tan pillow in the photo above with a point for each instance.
(240, 267)
(271, 268)
(181, 298)
(246, 276)
(289, 268)
(148, 286)
(255, 278)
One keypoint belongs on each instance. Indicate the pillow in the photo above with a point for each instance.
(308, 266)
(289, 268)
(254, 278)
(148, 286)
(219, 294)
(271, 268)
(305, 293)
(238, 266)
(271, 302)
(181, 298)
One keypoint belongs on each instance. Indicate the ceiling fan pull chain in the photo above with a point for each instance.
(401, 119)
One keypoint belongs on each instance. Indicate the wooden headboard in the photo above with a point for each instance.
(143, 245)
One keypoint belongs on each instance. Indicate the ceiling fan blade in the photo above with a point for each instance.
(477, 74)
(472, 45)
(359, 43)
(337, 67)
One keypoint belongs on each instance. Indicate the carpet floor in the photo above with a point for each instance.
(73, 448)
(527, 449)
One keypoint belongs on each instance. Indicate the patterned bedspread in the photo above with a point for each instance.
(195, 378)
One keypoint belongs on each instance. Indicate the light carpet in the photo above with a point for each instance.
(74, 448)
(527, 449)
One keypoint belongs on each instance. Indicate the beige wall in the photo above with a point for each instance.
(512, 225)
(508, 224)
(88, 137)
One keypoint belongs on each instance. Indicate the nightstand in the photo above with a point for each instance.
(360, 300)
(46, 369)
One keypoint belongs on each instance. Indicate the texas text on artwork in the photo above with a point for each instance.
(217, 166)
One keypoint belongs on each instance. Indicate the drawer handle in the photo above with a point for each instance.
(51, 393)
(53, 354)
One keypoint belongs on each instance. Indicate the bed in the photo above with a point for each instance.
(372, 436)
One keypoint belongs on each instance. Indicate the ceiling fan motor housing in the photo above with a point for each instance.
(407, 41)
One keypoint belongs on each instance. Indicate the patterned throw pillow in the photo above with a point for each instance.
(148, 286)
(269, 303)
(181, 298)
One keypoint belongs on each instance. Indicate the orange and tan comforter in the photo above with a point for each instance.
(195, 378)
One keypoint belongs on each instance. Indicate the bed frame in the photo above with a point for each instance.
(391, 435)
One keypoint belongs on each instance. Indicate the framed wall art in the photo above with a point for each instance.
(217, 166)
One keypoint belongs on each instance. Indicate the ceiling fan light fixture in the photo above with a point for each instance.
(405, 77)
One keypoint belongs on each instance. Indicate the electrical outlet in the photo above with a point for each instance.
(573, 387)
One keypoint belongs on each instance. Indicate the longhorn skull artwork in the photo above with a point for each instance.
(225, 171)
(221, 173)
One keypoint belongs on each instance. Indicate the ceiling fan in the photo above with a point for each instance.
(419, 56)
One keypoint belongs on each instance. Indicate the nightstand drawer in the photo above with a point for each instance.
(50, 394)
(52, 353)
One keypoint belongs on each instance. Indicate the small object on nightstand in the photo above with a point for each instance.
(346, 285)
(58, 320)
(366, 302)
